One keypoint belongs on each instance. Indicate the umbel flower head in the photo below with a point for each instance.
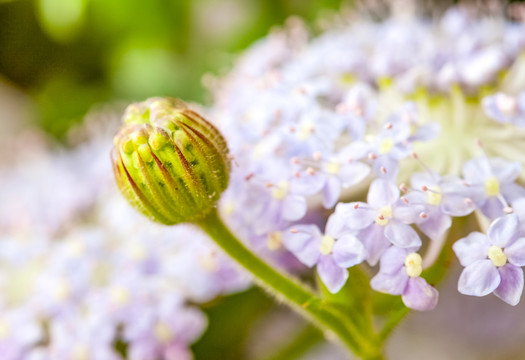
(169, 162)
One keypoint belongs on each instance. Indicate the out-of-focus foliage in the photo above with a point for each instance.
(70, 54)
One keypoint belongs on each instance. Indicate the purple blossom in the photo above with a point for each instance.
(493, 262)
(333, 252)
(491, 184)
(506, 108)
(399, 274)
(384, 220)
(442, 198)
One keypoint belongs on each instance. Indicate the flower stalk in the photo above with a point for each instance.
(286, 289)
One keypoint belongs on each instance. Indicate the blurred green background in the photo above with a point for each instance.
(70, 54)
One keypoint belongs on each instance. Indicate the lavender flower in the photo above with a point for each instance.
(491, 183)
(384, 220)
(399, 274)
(506, 108)
(333, 252)
(493, 262)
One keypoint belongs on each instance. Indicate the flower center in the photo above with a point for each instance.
(492, 186)
(306, 130)
(163, 333)
(385, 146)
(383, 215)
(497, 256)
(434, 195)
(333, 168)
(327, 244)
(413, 264)
(280, 191)
(275, 240)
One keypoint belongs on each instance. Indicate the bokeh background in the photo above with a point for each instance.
(67, 55)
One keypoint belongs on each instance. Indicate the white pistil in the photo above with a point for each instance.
(413, 265)
(327, 244)
(497, 256)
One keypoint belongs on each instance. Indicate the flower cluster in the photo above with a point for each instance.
(81, 271)
(311, 124)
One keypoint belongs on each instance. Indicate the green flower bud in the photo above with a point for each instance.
(169, 162)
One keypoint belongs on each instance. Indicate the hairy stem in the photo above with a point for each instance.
(289, 290)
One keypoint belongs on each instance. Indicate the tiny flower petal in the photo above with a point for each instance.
(479, 278)
(393, 284)
(419, 295)
(348, 251)
(436, 225)
(504, 230)
(382, 193)
(294, 207)
(402, 235)
(331, 192)
(511, 286)
(516, 252)
(333, 276)
(471, 248)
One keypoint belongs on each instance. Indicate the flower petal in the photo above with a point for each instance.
(331, 191)
(294, 207)
(393, 284)
(436, 225)
(504, 230)
(419, 295)
(402, 235)
(511, 286)
(393, 259)
(333, 276)
(357, 215)
(516, 252)
(479, 278)
(382, 193)
(471, 248)
(375, 242)
(348, 251)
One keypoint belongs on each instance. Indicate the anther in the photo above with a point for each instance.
(403, 188)
(424, 188)
(356, 206)
(295, 161)
(317, 156)
(508, 210)
(423, 215)
(372, 156)
(310, 171)
(388, 126)
(249, 176)
(405, 200)
(294, 231)
(382, 169)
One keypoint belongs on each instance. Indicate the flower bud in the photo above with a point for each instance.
(169, 162)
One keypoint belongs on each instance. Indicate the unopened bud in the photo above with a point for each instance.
(169, 162)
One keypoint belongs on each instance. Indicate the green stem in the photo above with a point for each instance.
(287, 289)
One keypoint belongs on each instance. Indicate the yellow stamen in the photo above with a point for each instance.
(492, 186)
(327, 244)
(413, 265)
(497, 256)
(281, 190)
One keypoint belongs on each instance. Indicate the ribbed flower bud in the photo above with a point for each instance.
(169, 162)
